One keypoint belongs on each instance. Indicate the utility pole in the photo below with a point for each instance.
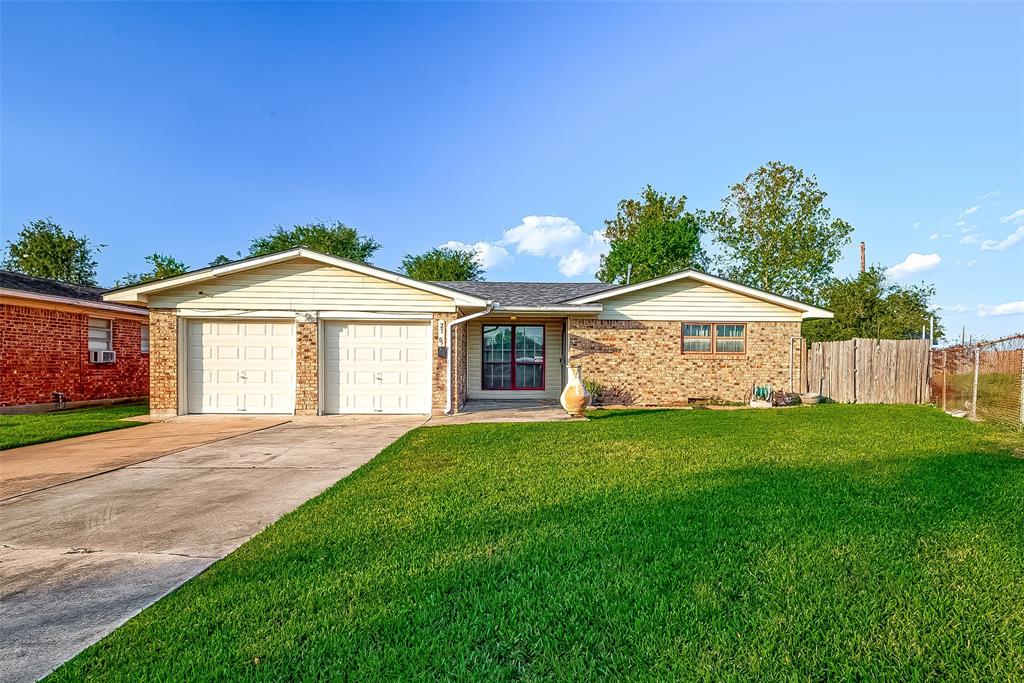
(863, 263)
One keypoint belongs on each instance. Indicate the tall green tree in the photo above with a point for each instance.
(163, 266)
(334, 238)
(654, 234)
(775, 232)
(443, 263)
(869, 305)
(44, 249)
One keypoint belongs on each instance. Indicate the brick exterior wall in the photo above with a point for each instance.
(306, 370)
(43, 350)
(163, 375)
(639, 361)
(460, 367)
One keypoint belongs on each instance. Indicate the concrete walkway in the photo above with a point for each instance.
(481, 411)
(31, 468)
(79, 559)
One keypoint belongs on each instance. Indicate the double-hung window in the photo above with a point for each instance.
(513, 357)
(101, 334)
(144, 339)
(722, 339)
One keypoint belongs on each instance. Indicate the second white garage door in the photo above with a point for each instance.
(377, 367)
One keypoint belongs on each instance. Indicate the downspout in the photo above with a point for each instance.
(448, 353)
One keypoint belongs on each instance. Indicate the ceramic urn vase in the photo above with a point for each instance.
(575, 396)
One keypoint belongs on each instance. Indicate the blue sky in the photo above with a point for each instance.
(191, 128)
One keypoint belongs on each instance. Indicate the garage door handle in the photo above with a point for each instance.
(380, 377)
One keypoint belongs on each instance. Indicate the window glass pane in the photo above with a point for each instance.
(497, 343)
(99, 334)
(691, 330)
(530, 344)
(697, 345)
(729, 345)
(529, 376)
(497, 376)
(729, 331)
(145, 339)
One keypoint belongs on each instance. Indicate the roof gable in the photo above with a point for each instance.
(143, 292)
(658, 287)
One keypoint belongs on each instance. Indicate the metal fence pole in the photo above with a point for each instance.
(1022, 387)
(974, 390)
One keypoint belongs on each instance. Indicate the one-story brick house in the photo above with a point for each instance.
(305, 333)
(59, 340)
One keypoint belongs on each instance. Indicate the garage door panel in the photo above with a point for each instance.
(377, 367)
(240, 367)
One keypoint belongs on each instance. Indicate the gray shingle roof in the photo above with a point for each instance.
(527, 293)
(38, 285)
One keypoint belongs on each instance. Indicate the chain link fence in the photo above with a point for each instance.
(984, 381)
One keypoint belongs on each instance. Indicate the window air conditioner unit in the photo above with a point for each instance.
(102, 356)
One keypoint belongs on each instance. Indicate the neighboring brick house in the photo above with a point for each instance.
(299, 332)
(47, 330)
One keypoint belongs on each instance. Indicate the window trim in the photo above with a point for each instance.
(714, 339)
(144, 348)
(110, 333)
(512, 362)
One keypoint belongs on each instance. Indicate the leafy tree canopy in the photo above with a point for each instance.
(443, 263)
(162, 266)
(220, 260)
(655, 234)
(776, 233)
(334, 238)
(44, 249)
(871, 306)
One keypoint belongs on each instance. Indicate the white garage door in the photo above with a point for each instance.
(241, 367)
(377, 367)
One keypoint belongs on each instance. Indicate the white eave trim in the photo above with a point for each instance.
(68, 301)
(138, 293)
(807, 310)
(584, 308)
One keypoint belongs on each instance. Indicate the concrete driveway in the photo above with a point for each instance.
(80, 558)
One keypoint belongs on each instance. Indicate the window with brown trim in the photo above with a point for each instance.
(724, 339)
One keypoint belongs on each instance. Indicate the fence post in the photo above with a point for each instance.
(974, 390)
(945, 371)
(1022, 387)
(856, 378)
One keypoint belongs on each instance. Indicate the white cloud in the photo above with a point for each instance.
(969, 211)
(960, 223)
(970, 238)
(1019, 213)
(543, 236)
(934, 236)
(917, 225)
(989, 195)
(971, 263)
(913, 264)
(586, 258)
(578, 253)
(1009, 308)
(1011, 239)
(487, 255)
(955, 308)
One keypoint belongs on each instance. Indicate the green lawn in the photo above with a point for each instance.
(25, 430)
(827, 543)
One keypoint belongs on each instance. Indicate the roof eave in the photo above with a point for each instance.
(555, 308)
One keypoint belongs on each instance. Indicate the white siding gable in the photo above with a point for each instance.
(690, 300)
(301, 285)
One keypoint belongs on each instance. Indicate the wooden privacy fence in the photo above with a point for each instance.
(870, 370)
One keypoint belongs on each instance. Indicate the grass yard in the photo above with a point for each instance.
(827, 543)
(25, 430)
